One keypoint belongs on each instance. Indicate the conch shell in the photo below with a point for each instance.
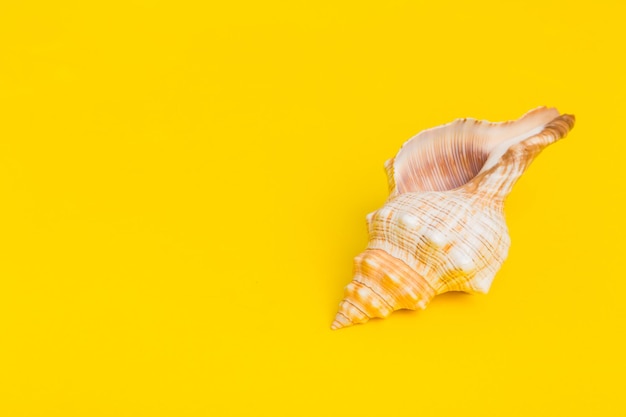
(442, 227)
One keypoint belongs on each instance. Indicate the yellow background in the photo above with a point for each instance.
(184, 186)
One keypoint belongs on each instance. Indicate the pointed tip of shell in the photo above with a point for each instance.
(340, 322)
(336, 325)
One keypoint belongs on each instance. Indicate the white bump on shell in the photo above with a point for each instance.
(371, 262)
(461, 259)
(436, 238)
(384, 212)
(482, 285)
(409, 220)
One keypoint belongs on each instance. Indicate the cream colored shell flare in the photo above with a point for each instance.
(442, 227)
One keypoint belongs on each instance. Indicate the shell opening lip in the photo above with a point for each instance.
(449, 156)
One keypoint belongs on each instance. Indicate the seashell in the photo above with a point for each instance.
(442, 227)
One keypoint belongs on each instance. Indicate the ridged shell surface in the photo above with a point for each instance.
(443, 228)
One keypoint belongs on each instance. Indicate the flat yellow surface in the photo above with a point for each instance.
(184, 186)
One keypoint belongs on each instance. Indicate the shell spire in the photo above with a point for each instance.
(442, 227)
